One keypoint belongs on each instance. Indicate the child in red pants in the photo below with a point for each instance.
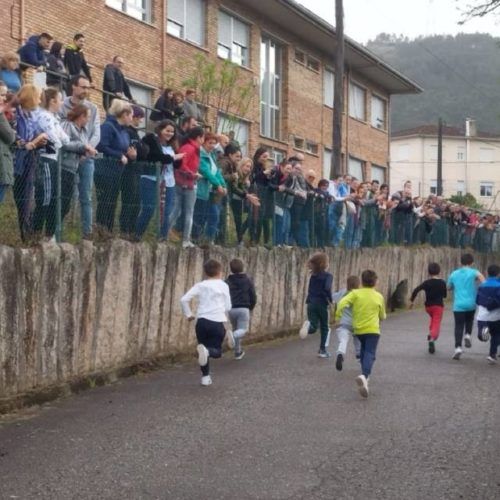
(435, 293)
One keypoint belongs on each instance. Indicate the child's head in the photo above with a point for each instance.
(212, 268)
(493, 271)
(236, 266)
(318, 262)
(369, 278)
(434, 269)
(352, 282)
(467, 259)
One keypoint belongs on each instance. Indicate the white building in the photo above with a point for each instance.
(471, 162)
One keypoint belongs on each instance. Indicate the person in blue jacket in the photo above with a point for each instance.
(32, 53)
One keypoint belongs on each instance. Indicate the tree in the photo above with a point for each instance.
(467, 200)
(480, 9)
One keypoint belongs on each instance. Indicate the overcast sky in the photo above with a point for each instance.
(364, 19)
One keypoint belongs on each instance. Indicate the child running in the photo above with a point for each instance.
(319, 298)
(214, 302)
(464, 282)
(435, 293)
(243, 299)
(344, 330)
(368, 309)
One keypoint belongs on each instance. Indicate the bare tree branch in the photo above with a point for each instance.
(480, 8)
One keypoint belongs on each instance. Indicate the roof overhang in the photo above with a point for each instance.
(317, 32)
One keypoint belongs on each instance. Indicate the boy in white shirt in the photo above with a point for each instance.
(214, 301)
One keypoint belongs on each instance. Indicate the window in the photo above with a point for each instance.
(486, 189)
(486, 155)
(433, 152)
(379, 113)
(460, 153)
(355, 168)
(313, 64)
(270, 88)
(139, 9)
(328, 88)
(239, 129)
(234, 39)
(186, 20)
(142, 96)
(312, 148)
(403, 153)
(298, 143)
(433, 186)
(277, 155)
(357, 102)
(378, 174)
(460, 188)
(327, 162)
(306, 60)
(300, 57)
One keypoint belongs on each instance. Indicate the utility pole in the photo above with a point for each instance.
(338, 100)
(439, 186)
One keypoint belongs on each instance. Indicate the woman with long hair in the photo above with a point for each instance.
(56, 72)
(9, 71)
(164, 107)
(163, 148)
(263, 214)
(7, 138)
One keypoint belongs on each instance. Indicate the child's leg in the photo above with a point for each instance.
(369, 344)
(210, 334)
(242, 321)
(313, 317)
(469, 321)
(343, 337)
(323, 325)
(459, 327)
(494, 338)
(436, 316)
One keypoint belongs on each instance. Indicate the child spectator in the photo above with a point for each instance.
(488, 300)
(344, 330)
(368, 309)
(319, 298)
(435, 293)
(214, 302)
(464, 282)
(243, 300)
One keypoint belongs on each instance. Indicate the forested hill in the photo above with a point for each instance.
(460, 76)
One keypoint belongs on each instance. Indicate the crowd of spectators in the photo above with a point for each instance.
(195, 179)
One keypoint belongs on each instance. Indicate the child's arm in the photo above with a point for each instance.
(186, 299)
(415, 293)
(328, 287)
(345, 302)
(227, 298)
(337, 296)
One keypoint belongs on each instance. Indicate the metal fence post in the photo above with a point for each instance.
(58, 198)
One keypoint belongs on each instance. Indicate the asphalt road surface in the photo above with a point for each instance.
(279, 424)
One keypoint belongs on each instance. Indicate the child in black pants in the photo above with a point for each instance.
(214, 302)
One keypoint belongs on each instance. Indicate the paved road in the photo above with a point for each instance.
(280, 424)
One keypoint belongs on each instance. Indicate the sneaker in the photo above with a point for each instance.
(491, 360)
(239, 355)
(339, 361)
(467, 340)
(362, 385)
(432, 347)
(304, 331)
(327, 343)
(230, 339)
(458, 353)
(323, 353)
(206, 381)
(202, 355)
(188, 244)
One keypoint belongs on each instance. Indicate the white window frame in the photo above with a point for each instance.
(130, 8)
(433, 186)
(230, 52)
(484, 187)
(270, 112)
(312, 148)
(380, 124)
(353, 111)
(461, 153)
(182, 31)
(278, 155)
(328, 94)
(460, 188)
(140, 102)
(241, 128)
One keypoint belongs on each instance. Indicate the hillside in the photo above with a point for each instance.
(460, 76)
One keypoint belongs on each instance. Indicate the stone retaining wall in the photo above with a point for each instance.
(70, 312)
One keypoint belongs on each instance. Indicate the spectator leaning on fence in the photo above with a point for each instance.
(191, 107)
(114, 83)
(80, 87)
(74, 59)
(262, 215)
(32, 53)
(115, 146)
(7, 138)
(164, 107)
(281, 181)
(9, 72)
(56, 73)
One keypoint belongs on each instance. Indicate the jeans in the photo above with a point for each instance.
(336, 228)
(463, 320)
(343, 334)
(210, 334)
(184, 199)
(86, 180)
(282, 226)
(436, 315)
(240, 321)
(148, 193)
(200, 216)
(369, 342)
(214, 217)
(317, 314)
(3, 190)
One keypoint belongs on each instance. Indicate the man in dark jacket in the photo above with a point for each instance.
(74, 59)
(243, 300)
(114, 83)
(32, 53)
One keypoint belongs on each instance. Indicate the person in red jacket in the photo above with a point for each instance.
(185, 183)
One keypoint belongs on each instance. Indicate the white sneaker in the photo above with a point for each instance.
(458, 353)
(467, 341)
(188, 244)
(206, 380)
(230, 339)
(202, 355)
(362, 385)
(304, 331)
(491, 361)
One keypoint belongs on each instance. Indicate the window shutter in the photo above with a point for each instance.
(240, 33)
(195, 21)
(224, 29)
(175, 11)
